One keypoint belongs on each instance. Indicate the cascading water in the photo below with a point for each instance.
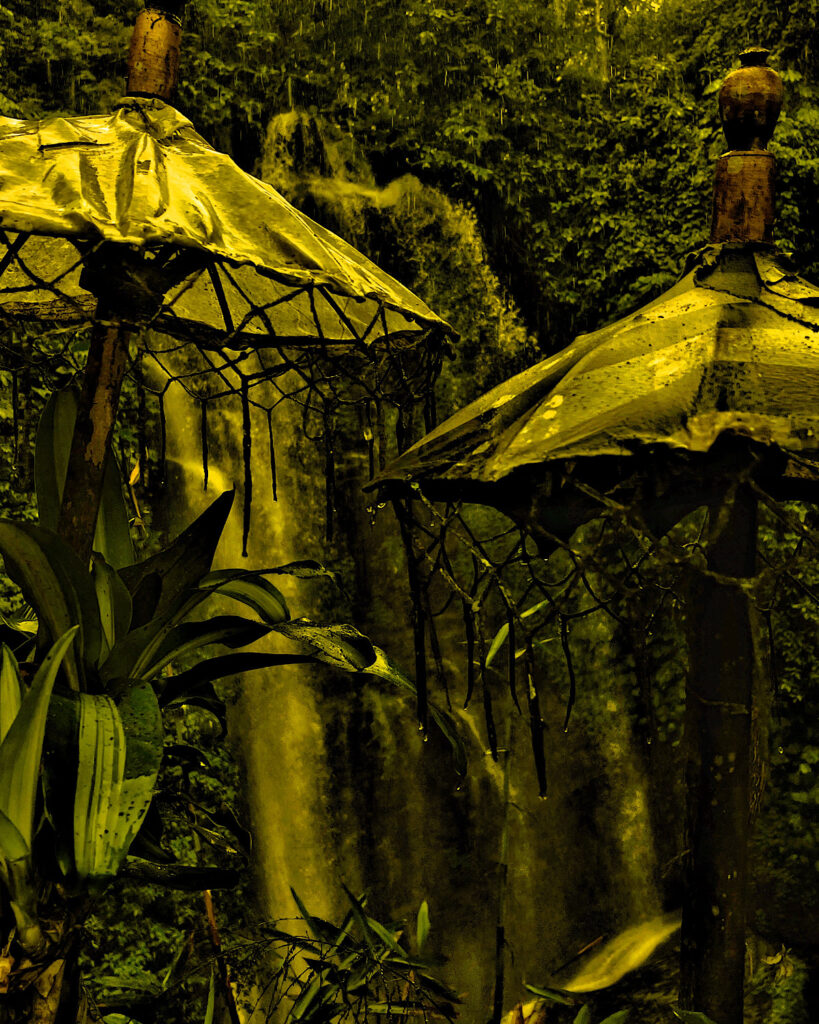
(341, 788)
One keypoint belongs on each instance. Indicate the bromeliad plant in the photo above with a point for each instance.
(87, 670)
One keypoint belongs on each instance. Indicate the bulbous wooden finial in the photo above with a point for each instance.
(750, 101)
(749, 104)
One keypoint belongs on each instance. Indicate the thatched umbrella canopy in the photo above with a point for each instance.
(705, 396)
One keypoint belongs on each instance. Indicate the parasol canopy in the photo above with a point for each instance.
(136, 210)
(731, 348)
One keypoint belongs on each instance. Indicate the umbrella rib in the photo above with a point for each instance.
(331, 302)
(221, 298)
(12, 249)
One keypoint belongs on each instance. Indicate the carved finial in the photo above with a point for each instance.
(750, 100)
(749, 103)
(153, 59)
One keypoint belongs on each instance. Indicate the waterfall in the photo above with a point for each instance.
(341, 786)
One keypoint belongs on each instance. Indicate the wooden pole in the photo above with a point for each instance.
(153, 64)
(719, 699)
(722, 664)
(96, 416)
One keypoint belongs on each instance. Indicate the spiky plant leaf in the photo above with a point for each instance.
(251, 589)
(100, 773)
(56, 585)
(114, 603)
(21, 750)
(11, 690)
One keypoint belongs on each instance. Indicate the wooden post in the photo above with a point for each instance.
(719, 699)
(749, 103)
(722, 663)
(153, 63)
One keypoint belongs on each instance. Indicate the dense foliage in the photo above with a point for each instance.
(574, 143)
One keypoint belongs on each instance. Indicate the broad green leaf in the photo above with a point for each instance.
(250, 589)
(623, 953)
(100, 773)
(584, 1017)
(422, 926)
(120, 749)
(189, 637)
(12, 845)
(56, 585)
(112, 538)
(16, 870)
(303, 570)
(51, 449)
(617, 1018)
(186, 684)
(339, 645)
(179, 567)
(21, 750)
(11, 690)
(113, 600)
(141, 719)
(145, 651)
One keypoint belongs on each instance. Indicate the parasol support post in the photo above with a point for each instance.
(94, 428)
(719, 701)
(749, 104)
(153, 58)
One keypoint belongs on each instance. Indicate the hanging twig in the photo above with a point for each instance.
(567, 654)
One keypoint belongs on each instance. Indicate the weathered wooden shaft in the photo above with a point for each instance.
(718, 744)
(153, 59)
(744, 198)
(96, 415)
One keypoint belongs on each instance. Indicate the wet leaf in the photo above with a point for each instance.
(21, 750)
(623, 953)
(11, 690)
(56, 585)
(422, 925)
(179, 567)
